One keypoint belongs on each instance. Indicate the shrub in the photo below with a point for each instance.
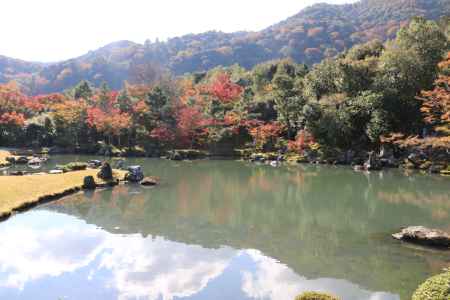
(315, 296)
(436, 288)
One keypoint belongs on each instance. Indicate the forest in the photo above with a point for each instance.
(318, 32)
(375, 94)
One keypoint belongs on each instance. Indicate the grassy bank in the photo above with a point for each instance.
(20, 192)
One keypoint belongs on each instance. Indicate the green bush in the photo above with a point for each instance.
(436, 288)
(315, 296)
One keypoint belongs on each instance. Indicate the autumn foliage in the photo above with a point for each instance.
(224, 89)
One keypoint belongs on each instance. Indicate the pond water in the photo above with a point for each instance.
(228, 230)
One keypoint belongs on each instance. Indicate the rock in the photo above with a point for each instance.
(358, 168)
(22, 160)
(414, 159)
(186, 154)
(120, 164)
(35, 161)
(389, 162)
(11, 159)
(134, 174)
(89, 183)
(372, 164)
(150, 181)
(424, 236)
(105, 172)
(176, 156)
(55, 172)
(94, 163)
(436, 168)
(386, 152)
(258, 157)
(275, 163)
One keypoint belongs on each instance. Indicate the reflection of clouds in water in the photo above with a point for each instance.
(27, 254)
(160, 268)
(140, 268)
(144, 268)
(273, 280)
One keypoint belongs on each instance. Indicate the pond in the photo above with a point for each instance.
(228, 230)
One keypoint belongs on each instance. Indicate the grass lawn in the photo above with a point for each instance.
(18, 191)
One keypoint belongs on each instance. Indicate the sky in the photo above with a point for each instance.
(53, 30)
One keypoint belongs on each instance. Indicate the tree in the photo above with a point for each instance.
(190, 126)
(265, 135)
(224, 89)
(429, 43)
(83, 91)
(289, 102)
(70, 120)
(436, 105)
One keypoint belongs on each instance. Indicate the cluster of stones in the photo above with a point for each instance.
(134, 175)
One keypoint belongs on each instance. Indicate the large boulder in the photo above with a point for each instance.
(424, 236)
(134, 174)
(105, 172)
(89, 183)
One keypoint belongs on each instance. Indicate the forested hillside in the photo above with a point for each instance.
(315, 33)
(373, 96)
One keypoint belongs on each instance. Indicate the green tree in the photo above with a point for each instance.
(83, 90)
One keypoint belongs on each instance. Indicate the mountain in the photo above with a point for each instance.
(319, 31)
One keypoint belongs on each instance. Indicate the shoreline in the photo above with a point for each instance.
(20, 193)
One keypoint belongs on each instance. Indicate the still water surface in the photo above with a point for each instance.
(228, 230)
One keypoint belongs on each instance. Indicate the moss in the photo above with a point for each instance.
(436, 288)
(315, 296)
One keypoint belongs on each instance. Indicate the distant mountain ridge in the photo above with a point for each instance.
(316, 32)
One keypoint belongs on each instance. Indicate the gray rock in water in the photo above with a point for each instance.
(89, 183)
(424, 236)
(134, 174)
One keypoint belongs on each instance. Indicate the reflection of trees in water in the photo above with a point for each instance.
(320, 221)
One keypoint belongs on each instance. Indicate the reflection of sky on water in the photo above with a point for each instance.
(45, 255)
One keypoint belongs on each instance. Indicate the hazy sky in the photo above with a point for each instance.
(51, 30)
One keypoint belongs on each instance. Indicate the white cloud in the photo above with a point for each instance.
(49, 30)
